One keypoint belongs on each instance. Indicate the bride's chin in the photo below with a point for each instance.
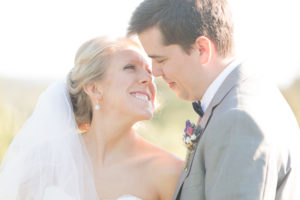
(147, 115)
(144, 112)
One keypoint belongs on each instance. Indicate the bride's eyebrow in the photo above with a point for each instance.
(139, 61)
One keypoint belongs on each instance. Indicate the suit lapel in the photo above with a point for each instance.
(184, 174)
(229, 83)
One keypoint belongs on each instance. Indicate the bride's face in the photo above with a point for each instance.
(128, 87)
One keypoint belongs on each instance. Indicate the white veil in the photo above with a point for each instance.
(47, 158)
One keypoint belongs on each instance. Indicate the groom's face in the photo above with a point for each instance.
(173, 64)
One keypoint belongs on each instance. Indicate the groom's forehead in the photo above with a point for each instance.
(151, 36)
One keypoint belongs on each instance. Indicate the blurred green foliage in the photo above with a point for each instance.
(18, 99)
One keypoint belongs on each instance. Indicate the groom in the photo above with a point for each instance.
(248, 133)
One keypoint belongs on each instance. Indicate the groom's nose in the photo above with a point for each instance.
(156, 70)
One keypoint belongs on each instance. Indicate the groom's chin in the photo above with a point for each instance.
(183, 95)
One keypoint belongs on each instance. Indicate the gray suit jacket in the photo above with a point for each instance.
(248, 149)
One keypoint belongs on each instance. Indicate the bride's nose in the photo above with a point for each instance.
(145, 78)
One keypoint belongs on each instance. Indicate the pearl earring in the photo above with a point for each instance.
(97, 107)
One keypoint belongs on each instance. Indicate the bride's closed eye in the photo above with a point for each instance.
(131, 67)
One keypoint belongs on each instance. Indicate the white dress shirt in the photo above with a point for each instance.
(215, 85)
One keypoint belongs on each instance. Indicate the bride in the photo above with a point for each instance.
(80, 142)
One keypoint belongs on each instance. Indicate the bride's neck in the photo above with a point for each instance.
(109, 140)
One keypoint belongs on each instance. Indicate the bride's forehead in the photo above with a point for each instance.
(131, 55)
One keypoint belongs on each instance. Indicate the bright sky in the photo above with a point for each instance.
(38, 38)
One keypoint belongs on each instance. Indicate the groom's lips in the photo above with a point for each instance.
(171, 84)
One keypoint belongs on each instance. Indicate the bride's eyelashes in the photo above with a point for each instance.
(133, 67)
(129, 67)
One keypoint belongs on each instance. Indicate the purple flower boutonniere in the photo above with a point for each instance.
(191, 136)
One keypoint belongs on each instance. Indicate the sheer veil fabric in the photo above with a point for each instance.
(47, 156)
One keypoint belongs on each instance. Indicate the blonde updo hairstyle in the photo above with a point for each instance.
(91, 61)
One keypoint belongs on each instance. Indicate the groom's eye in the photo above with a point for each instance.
(160, 61)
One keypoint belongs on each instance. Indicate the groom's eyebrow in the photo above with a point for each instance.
(155, 56)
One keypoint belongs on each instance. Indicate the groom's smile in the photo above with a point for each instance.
(171, 84)
(179, 69)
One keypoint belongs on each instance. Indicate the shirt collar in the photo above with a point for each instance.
(215, 85)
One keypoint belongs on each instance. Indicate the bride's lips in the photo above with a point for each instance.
(141, 95)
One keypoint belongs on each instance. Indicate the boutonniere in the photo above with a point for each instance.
(191, 136)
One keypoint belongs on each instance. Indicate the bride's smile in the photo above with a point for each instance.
(109, 89)
(128, 75)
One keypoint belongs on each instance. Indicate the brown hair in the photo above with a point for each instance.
(183, 21)
(91, 61)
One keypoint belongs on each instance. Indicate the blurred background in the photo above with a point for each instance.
(39, 38)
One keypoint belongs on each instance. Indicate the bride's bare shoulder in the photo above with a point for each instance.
(160, 161)
(158, 156)
(163, 168)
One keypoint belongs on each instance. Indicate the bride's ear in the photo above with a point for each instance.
(93, 91)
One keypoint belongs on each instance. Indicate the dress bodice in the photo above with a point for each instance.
(128, 197)
(57, 193)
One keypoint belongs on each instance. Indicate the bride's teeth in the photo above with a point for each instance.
(142, 97)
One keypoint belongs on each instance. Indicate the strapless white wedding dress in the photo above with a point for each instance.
(57, 193)
(128, 197)
(53, 160)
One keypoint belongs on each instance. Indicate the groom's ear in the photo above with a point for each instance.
(93, 90)
(204, 46)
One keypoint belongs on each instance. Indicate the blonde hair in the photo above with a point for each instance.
(91, 61)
